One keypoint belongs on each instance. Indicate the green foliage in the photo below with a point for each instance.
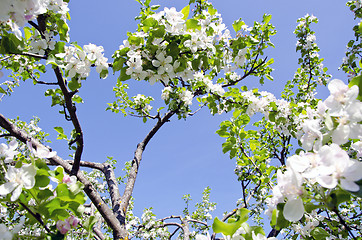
(358, 82)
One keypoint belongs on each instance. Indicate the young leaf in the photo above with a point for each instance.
(185, 11)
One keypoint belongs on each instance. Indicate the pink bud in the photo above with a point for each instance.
(66, 179)
(73, 221)
(63, 226)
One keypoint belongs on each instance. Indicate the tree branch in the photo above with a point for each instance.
(36, 216)
(114, 193)
(93, 165)
(73, 116)
(136, 163)
(89, 189)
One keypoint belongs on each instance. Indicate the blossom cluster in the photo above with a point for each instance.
(329, 166)
(15, 13)
(39, 45)
(67, 224)
(152, 55)
(153, 231)
(78, 62)
(273, 109)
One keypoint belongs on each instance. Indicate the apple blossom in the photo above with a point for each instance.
(312, 138)
(7, 152)
(17, 179)
(337, 166)
(162, 63)
(63, 226)
(41, 151)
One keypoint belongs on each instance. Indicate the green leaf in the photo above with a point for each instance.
(58, 235)
(59, 130)
(45, 194)
(195, 64)
(118, 64)
(271, 61)
(185, 11)
(150, 22)
(41, 181)
(173, 50)
(123, 76)
(309, 207)
(192, 24)
(243, 214)
(238, 24)
(27, 33)
(55, 204)
(319, 233)
(59, 47)
(9, 44)
(360, 28)
(211, 10)
(267, 18)
(358, 82)
(250, 229)
(337, 197)
(226, 228)
(244, 119)
(2, 90)
(222, 133)
(74, 84)
(281, 221)
(58, 173)
(63, 30)
(77, 99)
(89, 223)
(54, 61)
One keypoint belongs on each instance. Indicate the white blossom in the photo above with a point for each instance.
(17, 178)
(7, 152)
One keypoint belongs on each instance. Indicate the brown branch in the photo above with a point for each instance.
(94, 165)
(251, 71)
(34, 55)
(89, 189)
(343, 222)
(5, 58)
(136, 163)
(99, 233)
(73, 116)
(114, 192)
(36, 216)
(41, 27)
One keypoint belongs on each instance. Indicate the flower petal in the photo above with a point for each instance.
(349, 185)
(293, 210)
(7, 188)
(327, 181)
(16, 193)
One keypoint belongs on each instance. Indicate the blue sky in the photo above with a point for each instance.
(185, 156)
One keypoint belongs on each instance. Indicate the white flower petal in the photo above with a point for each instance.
(327, 181)
(7, 188)
(354, 171)
(298, 163)
(29, 175)
(293, 210)
(16, 193)
(349, 185)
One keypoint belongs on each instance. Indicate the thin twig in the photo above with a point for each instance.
(36, 216)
